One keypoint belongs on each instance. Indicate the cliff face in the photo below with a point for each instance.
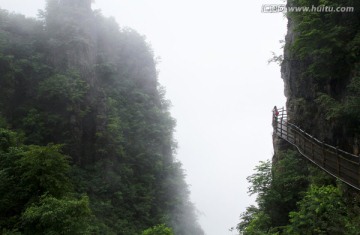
(319, 70)
(78, 39)
(72, 36)
(322, 86)
(300, 91)
(75, 79)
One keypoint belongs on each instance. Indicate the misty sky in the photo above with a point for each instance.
(214, 57)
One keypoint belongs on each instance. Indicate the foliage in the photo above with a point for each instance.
(158, 230)
(261, 179)
(289, 205)
(36, 190)
(346, 111)
(52, 215)
(253, 221)
(321, 211)
(44, 170)
(321, 36)
(278, 189)
(332, 107)
(68, 89)
(290, 181)
(94, 131)
(278, 59)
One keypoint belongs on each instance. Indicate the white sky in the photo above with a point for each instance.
(214, 66)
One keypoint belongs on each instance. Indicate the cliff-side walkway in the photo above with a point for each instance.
(338, 163)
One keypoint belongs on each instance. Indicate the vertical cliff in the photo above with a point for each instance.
(77, 84)
(321, 78)
(320, 73)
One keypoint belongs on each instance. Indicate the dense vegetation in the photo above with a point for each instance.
(86, 143)
(294, 197)
(320, 69)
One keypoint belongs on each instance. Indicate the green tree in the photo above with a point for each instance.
(255, 220)
(260, 181)
(278, 187)
(158, 230)
(36, 191)
(52, 216)
(289, 182)
(44, 170)
(321, 211)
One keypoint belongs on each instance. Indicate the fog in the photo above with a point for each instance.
(213, 64)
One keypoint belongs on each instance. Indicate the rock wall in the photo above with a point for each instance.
(333, 50)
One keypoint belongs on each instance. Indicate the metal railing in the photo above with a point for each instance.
(338, 163)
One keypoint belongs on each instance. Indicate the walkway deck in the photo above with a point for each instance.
(338, 163)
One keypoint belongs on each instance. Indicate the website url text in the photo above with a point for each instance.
(276, 8)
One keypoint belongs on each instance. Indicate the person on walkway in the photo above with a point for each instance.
(275, 117)
(275, 113)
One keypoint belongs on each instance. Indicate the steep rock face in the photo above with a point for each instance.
(72, 41)
(74, 78)
(318, 70)
(81, 40)
(300, 90)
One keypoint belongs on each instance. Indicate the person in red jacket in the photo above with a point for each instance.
(275, 115)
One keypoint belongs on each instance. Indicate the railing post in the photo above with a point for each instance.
(281, 123)
(303, 143)
(323, 153)
(312, 150)
(337, 161)
(284, 121)
(287, 131)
